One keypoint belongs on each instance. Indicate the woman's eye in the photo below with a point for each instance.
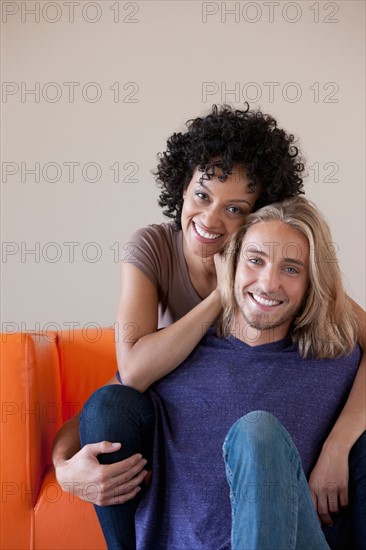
(291, 270)
(200, 195)
(255, 261)
(235, 210)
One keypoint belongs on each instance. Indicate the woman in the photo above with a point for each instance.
(224, 166)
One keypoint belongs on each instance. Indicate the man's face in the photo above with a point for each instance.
(271, 281)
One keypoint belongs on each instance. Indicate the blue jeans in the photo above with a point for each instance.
(270, 498)
(120, 413)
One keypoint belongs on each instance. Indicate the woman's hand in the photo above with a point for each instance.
(220, 260)
(329, 482)
(101, 484)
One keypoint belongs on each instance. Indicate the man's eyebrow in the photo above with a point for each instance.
(256, 251)
(253, 250)
(294, 261)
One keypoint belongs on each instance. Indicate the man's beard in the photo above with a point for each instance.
(263, 322)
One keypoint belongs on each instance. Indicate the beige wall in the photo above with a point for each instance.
(139, 71)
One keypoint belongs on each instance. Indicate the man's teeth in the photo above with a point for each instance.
(265, 302)
(206, 235)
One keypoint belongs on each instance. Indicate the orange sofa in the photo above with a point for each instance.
(45, 379)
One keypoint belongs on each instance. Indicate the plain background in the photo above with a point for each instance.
(111, 81)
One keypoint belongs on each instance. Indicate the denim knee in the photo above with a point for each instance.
(256, 428)
(121, 414)
(116, 399)
(259, 440)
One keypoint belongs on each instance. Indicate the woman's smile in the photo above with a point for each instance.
(206, 235)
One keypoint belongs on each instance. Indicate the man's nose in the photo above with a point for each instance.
(270, 279)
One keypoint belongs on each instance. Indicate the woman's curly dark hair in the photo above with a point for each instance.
(249, 138)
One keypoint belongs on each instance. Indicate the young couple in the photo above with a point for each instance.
(288, 322)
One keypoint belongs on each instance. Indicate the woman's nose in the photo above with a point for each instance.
(211, 217)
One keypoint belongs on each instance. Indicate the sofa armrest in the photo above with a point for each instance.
(31, 414)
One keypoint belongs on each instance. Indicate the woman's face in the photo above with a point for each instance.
(214, 210)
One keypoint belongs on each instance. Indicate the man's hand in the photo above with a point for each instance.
(101, 484)
(329, 482)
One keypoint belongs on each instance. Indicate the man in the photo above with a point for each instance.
(289, 352)
(288, 355)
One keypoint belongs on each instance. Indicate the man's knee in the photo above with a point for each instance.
(255, 425)
(256, 431)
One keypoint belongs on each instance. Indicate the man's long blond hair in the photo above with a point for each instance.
(325, 326)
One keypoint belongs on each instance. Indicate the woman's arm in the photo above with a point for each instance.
(145, 354)
(156, 354)
(329, 478)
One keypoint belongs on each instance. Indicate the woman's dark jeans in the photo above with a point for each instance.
(357, 465)
(118, 413)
